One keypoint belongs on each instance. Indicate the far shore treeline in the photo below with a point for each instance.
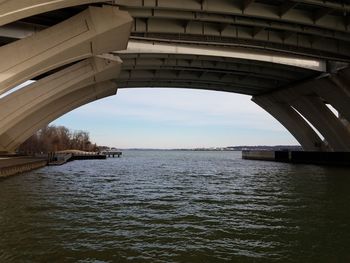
(57, 138)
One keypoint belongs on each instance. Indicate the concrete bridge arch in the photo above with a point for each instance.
(226, 46)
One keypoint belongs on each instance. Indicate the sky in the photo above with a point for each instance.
(176, 118)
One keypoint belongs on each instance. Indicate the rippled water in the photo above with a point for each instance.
(159, 206)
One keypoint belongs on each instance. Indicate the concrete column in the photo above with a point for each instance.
(17, 106)
(11, 140)
(292, 121)
(92, 32)
(11, 11)
(317, 113)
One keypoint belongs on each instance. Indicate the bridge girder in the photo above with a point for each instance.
(316, 28)
(248, 54)
(311, 27)
(217, 64)
(208, 72)
(306, 12)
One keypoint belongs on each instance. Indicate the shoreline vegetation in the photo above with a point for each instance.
(58, 138)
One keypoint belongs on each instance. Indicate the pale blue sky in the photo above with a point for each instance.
(176, 118)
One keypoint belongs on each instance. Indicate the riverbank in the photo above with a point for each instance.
(15, 165)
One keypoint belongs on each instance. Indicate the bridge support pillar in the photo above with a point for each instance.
(92, 32)
(23, 130)
(292, 121)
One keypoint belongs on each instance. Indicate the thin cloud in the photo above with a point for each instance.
(172, 118)
(184, 107)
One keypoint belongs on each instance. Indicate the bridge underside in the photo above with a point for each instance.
(290, 56)
(236, 75)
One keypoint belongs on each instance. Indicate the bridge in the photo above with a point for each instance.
(290, 56)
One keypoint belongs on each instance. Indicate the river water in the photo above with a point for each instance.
(176, 206)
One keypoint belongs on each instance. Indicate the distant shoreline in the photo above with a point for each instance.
(222, 149)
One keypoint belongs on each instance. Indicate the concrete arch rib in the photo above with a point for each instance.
(23, 130)
(15, 10)
(20, 104)
(230, 82)
(239, 75)
(264, 69)
(315, 111)
(334, 93)
(293, 122)
(183, 84)
(92, 32)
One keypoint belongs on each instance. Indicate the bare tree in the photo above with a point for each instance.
(52, 138)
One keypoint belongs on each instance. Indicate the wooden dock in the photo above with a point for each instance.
(62, 157)
(112, 153)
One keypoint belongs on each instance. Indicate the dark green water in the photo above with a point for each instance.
(159, 206)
